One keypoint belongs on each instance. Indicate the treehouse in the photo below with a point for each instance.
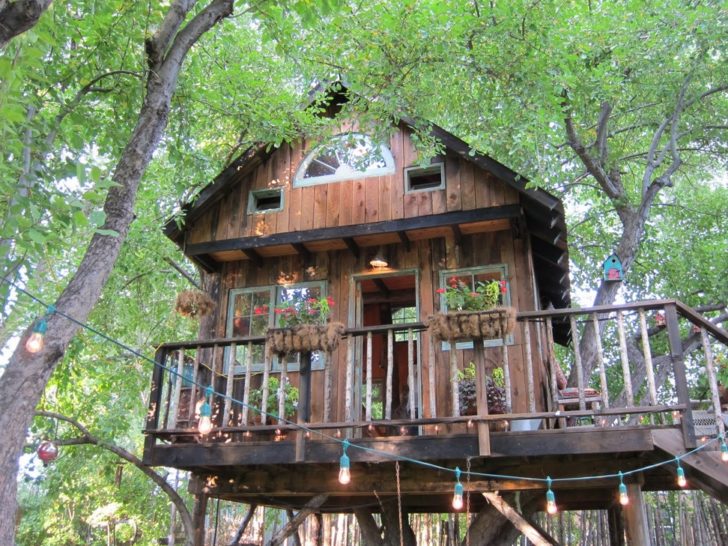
(387, 241)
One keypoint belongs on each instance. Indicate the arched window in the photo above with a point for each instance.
(344, 157)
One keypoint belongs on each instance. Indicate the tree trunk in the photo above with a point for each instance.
(18, 16)
(26, 374)
(371, 536)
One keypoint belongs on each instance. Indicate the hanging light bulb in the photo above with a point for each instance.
(681, 481)
(457, 498)
(34, 344)
(723, 449)
(551, 507)
(344, 465)
(623, 497)
(205, 423)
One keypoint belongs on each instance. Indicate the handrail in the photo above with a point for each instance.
(696, 318)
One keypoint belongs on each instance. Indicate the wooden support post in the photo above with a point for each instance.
(289, 528)
(616, 527)
(635, 517)
(229, 385)
(199, 512)
(626, 373)
(283, 363)
(248, 378)
(431, 371)
(481, 397)
(349, 387)
(411, 372)
(577, 362)
(304, 404)
(519, 522)
(266, 387)
(553, 364)
(155, 399)
(368, 399)
(600, 361)
(681, 381)
(390, 368)
(712, 381)
(454, 380)
(507, 378)
(328, 388)
(174, 404)
(531, 391)
(193, 388)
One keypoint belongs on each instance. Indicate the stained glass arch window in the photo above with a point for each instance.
(344, 157)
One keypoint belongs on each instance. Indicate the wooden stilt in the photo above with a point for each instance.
(290, 527)
(198, 519)
(635, 518)
(616, 527)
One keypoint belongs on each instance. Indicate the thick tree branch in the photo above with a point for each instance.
(88, 438)
(18, 16)
(602, 131)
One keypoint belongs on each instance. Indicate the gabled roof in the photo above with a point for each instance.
(543, 214)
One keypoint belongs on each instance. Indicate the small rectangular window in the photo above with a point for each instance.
(265, 200)
(427, 178)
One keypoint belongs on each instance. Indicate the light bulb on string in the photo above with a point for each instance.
(623, 497)
(723, 449)
(551, 507)
(457, 498)
(34, 343)
(681, 481)
(344, 465)
(204, 426)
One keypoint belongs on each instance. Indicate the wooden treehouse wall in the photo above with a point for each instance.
(366, 200)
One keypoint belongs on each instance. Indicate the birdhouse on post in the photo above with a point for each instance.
(613, 269)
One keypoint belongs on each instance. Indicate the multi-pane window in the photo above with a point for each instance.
(251, 311)
(344, 157)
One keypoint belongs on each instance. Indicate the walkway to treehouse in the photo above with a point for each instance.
(644, 351)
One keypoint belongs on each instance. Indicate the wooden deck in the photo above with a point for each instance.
(287, 463)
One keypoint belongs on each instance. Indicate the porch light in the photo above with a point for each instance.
(379, 260)
(723, 449)
(551, 507)
(344, 465)
(457, 498)
(623, 497)
(681, 481)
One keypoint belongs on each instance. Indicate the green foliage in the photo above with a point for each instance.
(290, 396)
(460, 296)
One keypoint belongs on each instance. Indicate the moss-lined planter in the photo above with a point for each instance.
(466, 325)
(304, 338)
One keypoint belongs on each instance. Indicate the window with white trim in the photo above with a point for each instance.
(344, 157)
(251, 311)
(471, 276)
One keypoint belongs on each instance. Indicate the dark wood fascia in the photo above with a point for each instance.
(441, 448)
(349, 232)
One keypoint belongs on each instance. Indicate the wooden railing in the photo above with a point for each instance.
(648, 350)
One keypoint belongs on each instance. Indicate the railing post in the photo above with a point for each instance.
(678, 366)
(304, 404)
(481, 394)
(712, 381)
(155, 399)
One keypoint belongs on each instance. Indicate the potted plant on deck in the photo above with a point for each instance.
(304, 326)
(472, 312)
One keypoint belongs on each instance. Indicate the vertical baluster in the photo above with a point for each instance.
(529, 367)
(155, 399)
(647, 352)
(600, 361)
(681, 381)
(328, 387)
(195, 380)
(712, 381)
(553, 363)
(454, 380)
(368, 403)
(577, 361)
(174, 403)
(411, 371)
(349, 415)
(283, 362)
(248, 379)
(431, 371)
(625, 361)
(507, 378)
(229, 385)
(266, 387)
(213, 374)
(390, 368)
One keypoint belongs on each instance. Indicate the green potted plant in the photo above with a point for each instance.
(304, 326)
(290, 398)
(472, 312)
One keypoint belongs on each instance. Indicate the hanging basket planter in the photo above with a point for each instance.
(466, 325)
(304, 338)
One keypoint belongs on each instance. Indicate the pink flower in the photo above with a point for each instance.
(259, 311)
(329, 300)
(440, 290)
(279, 311)
(504, 287)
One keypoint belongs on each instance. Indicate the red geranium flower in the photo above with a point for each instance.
(440, 290)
